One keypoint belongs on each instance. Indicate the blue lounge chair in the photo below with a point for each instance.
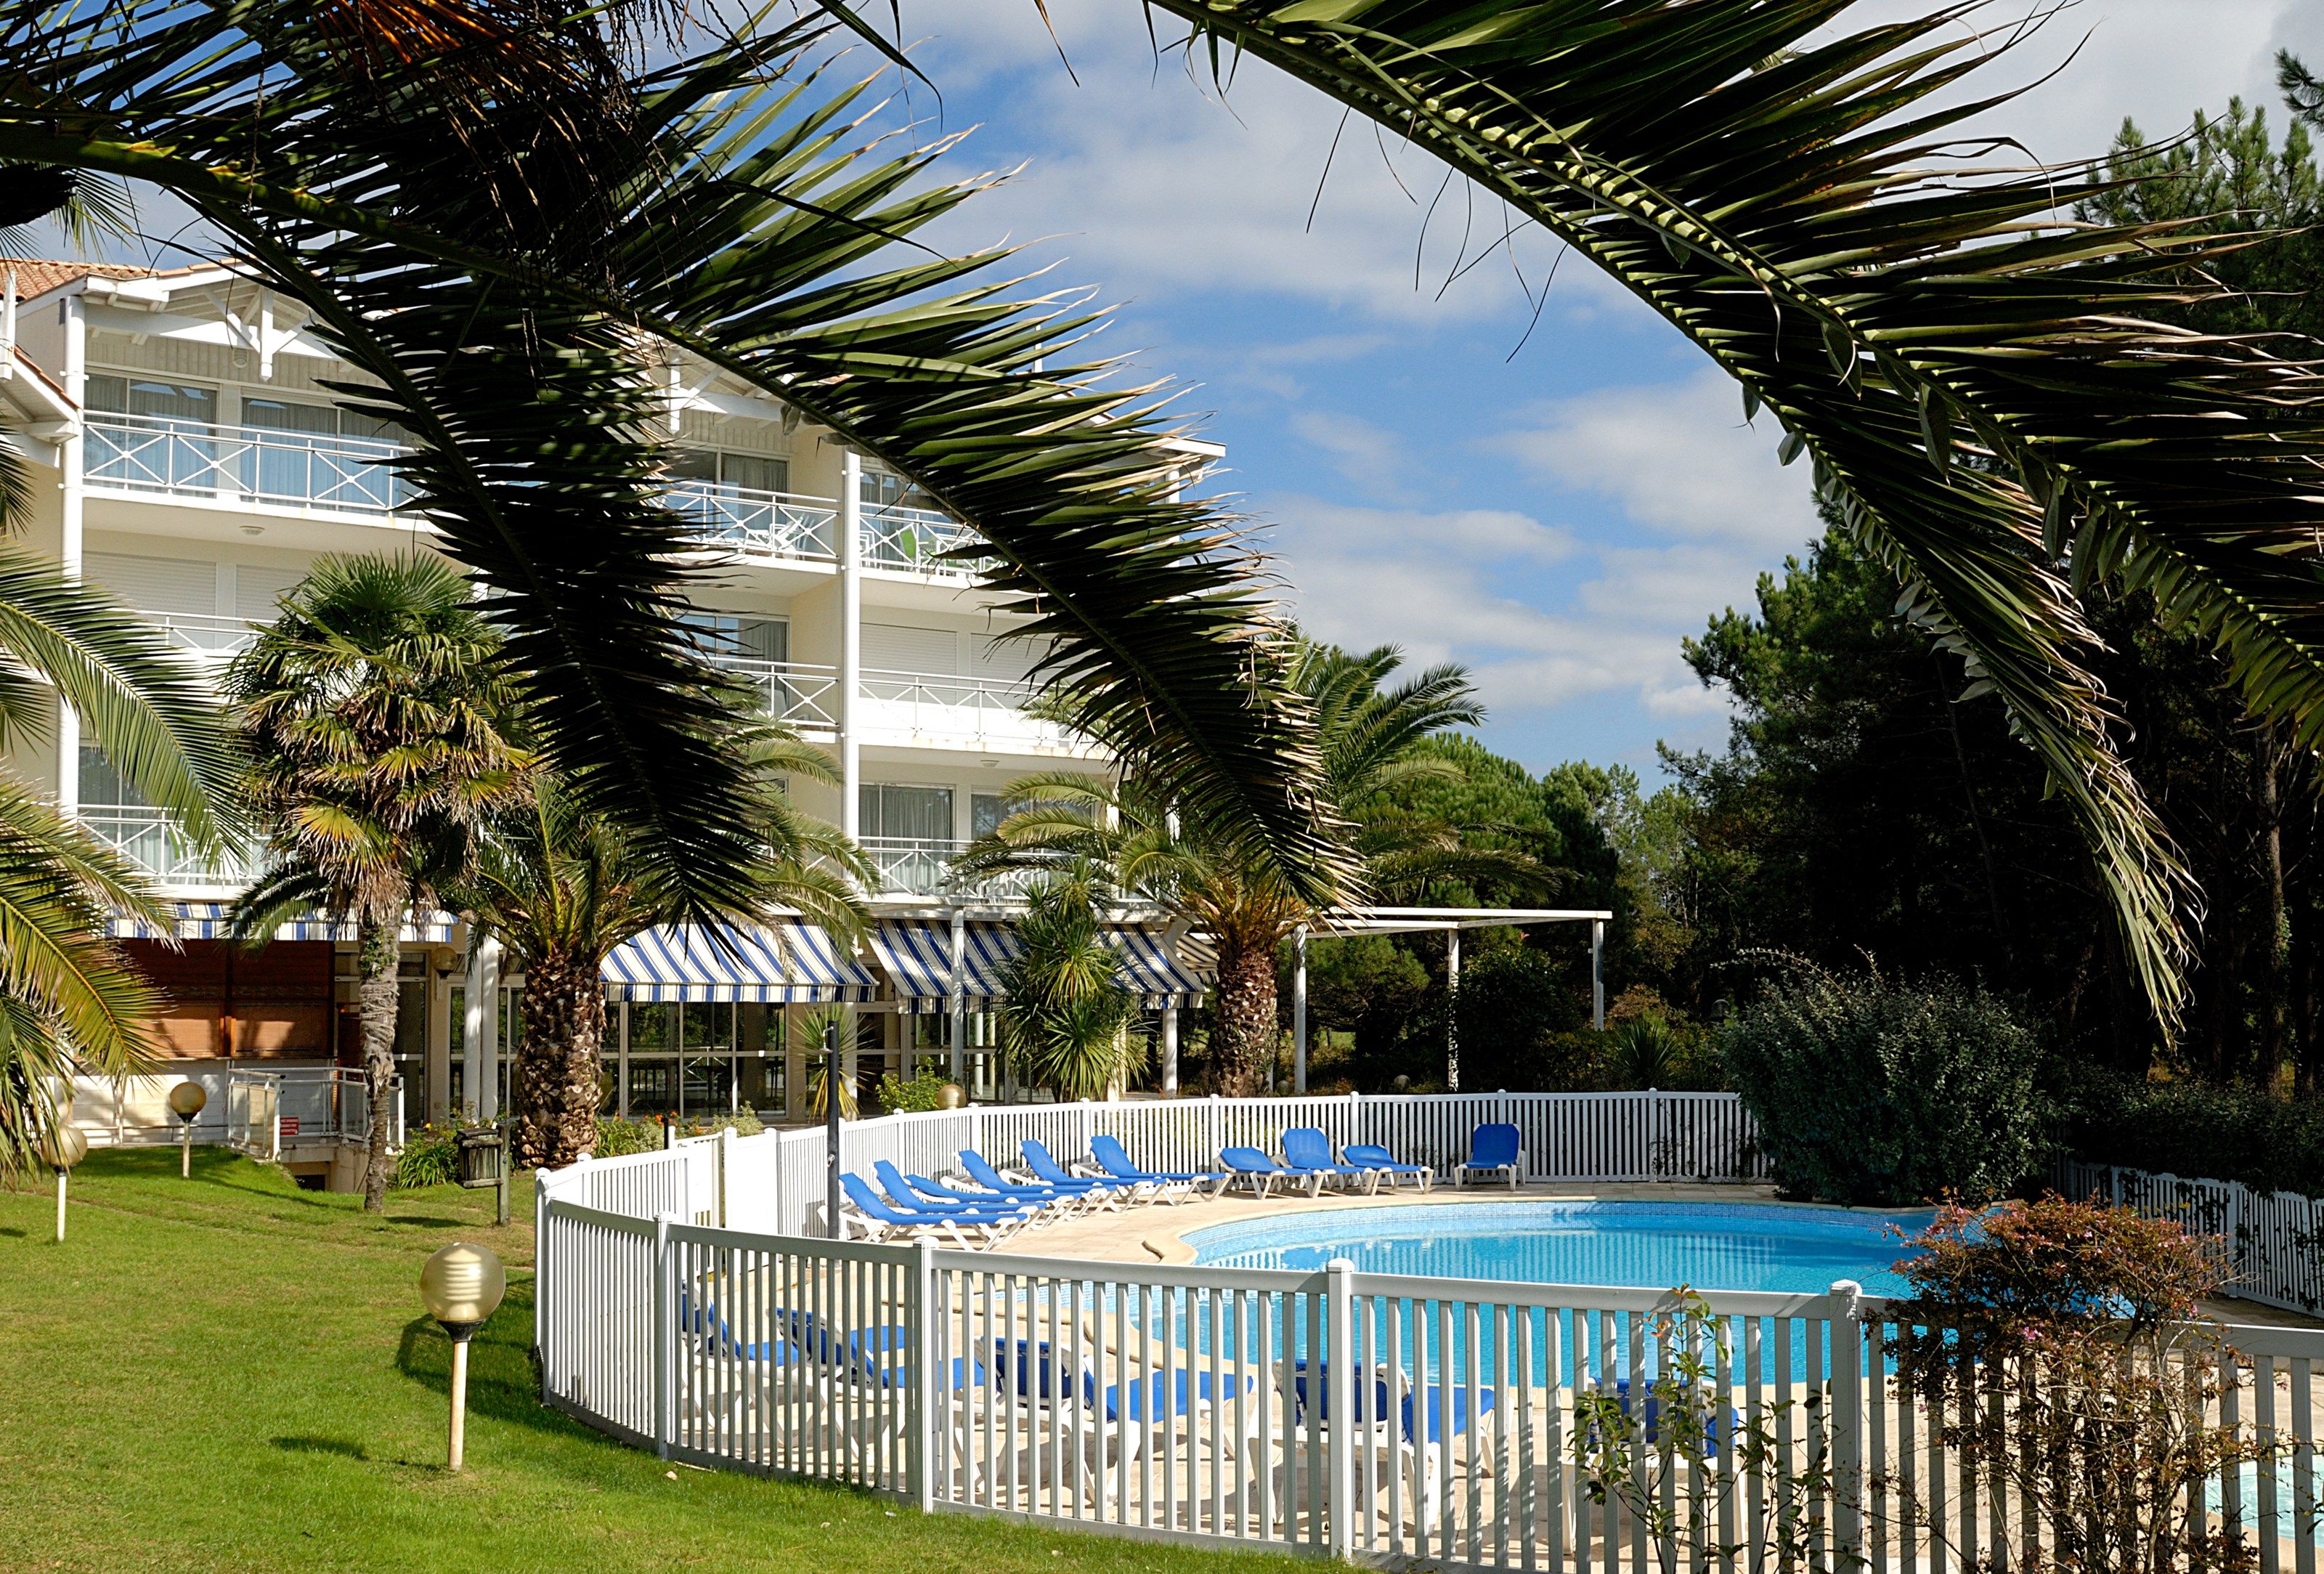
(1043, 1167)
(946, 1191)
(1423, 1419)
(1116, 1162)
(1493, 1150)
(981, 1171)
(1307, 1150)
(908, 1197)
(1262, 1171)
(881, 1218)
(1373, 1156)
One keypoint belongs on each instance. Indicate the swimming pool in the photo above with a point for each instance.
(1654, 1245)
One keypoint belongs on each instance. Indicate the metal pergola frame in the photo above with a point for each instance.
(1448, 921)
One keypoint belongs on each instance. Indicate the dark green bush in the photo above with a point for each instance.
(431, 1157)
(2201, 1131)
(898, 1096)
(616, 1137)
(1871, 1092)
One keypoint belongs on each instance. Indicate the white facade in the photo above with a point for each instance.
(187, 457)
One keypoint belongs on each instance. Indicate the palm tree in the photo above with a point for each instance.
(71, 1002)
(1169, 852)
(376, 713)
(1065, 1021)
(561, 887)
(1970, 372)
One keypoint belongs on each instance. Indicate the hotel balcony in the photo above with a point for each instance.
(915, 866)
(144, 835)
(324, 474)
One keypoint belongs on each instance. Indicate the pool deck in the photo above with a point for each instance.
(1151, 1232)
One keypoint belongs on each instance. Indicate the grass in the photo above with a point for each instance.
(227, 1373)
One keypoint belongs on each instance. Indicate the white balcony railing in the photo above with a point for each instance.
(807, 697)
(910, 865)
(915, 541)
(240, 464)
(144, 835)
(771, 524)
(939, 705)
(210, 640)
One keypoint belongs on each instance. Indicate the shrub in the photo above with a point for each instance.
(1872, 1092)
(431, 1157)
(616, 1137)
(2088, 1316)
(899, 1096)
(2201, 1131)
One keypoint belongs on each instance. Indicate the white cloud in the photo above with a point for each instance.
(1678, 458)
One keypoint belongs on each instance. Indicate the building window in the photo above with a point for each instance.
(919, 814)
(153, 397)
(751, 472)
(731, 637)
(883, 489)
(986, 811)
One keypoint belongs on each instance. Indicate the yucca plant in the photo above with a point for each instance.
(379, 720)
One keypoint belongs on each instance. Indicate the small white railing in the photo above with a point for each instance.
(149, 838)
(806, 696)
(269, 1111)
(209, 639)
(914, 541)
(768, 525)
(1387, 1419)
(914, 865)
(2274, 1240)
(235, 464)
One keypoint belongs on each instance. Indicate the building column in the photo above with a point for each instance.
(1299, 1009)
(1452, 1017)
(956, 1005)
(622, 1074)
(437, 1041)
(1169, 1052)
(70, 450)
(851, 640)
(480, 1032)
(1598, 973)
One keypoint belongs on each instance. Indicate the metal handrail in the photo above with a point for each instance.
(804, 695)
(772, 524)
(914, 539)
(149, 838)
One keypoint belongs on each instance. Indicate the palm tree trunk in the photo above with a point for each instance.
(378, 993)
(555, 1078)
(1242, 1017)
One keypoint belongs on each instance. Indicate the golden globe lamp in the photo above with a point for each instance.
(461, 1286)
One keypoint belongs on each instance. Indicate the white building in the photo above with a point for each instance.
(198, 467)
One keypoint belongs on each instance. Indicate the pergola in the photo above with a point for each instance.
(958, 912)
(1450, 921)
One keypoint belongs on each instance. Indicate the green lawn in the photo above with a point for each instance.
(231, 1373)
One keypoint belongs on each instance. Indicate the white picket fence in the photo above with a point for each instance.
(775, 1182)
(1389, 1421)
(2274, 1240)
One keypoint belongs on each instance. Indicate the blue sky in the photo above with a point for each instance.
(1557, 520)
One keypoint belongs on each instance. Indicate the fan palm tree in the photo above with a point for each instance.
(1065, 1021)
(1968, 369)
(1167, 851)
(71, 1002)
(376, 714)
(561, 887)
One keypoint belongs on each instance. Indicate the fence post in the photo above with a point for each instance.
(1846, 1419)
(921, 1457)
(543, 1351)
(1340, 1407)
(665, 1352)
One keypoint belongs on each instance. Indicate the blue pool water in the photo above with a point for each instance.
(1651, 1245)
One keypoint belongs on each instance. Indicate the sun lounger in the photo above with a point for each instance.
(1262, 1171)
(1307, 1150)
(907, 1196)
(1423, 1419)
(881, 1219)
(981, 1171)
(1043, 1167)
(1493, 1150)
(1373, 1156)
(1115, 1160)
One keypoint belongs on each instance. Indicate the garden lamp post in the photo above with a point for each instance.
(186, 1101)
(832, 1226)
(61, 1147)
(461, 1285)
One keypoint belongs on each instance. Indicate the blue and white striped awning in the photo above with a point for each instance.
(918, 957)
(788, 961)
(207, 920)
